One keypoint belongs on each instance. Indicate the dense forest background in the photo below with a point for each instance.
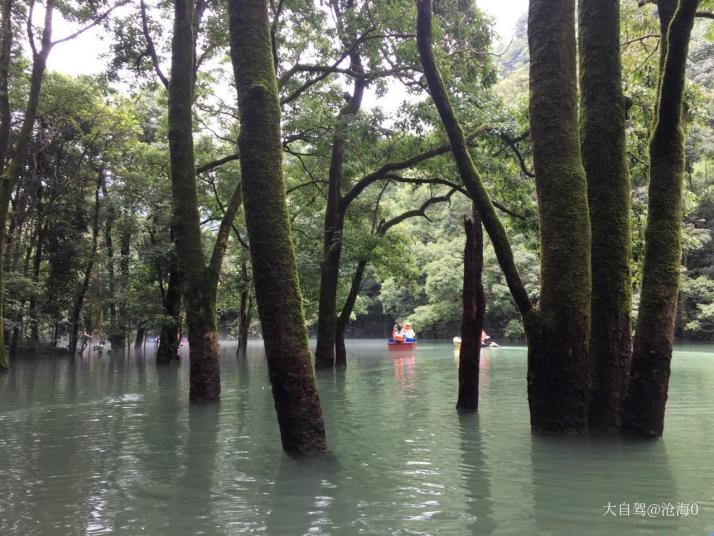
(89, 244)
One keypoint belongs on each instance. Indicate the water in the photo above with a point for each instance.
(110, 446)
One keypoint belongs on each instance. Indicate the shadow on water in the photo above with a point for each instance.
(192, 498)
(605, 481)
(303, 497)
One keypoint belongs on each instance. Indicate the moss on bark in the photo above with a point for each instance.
(274, 269)
(602, 129)
(557, 340)
(649, 376)
(474, 308)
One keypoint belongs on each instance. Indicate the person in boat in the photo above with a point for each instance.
(484, 338)
(398, 332)
(409, 335)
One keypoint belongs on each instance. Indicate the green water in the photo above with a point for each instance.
(110, 446)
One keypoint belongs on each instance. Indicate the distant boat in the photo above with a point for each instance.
(397, 346)
(484, 344)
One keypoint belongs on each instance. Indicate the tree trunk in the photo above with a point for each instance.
(275, 278)
(346, 313)
(334, 222)
(116, 338)
(467, 170)
(649, 375)
(474, 308)
(243, 321)
(602, 128)
(558, 375)
(199, 291)
(84, 285)
(168, 350)
(140, 336)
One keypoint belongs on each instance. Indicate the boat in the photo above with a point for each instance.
(400, 346)
(484, 343)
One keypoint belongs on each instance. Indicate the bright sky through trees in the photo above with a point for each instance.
(84, 55)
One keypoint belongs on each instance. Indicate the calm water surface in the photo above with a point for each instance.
(110, 446)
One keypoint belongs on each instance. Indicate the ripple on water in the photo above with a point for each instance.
(113, 447)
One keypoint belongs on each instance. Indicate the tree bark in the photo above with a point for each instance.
(200, 282)
(168, 350)
(246, 304)
(649, 376)
(275, 278)
(467, 170)
(558, 375)
(474, 307)
(346, 313)
(602, 128)
(86, 278)
(334, 222)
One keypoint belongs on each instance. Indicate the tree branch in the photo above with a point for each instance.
(151, 49)
(380, 173)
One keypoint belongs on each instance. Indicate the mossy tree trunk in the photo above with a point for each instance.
(473, 310)
(200, 281)
(558, 331)
(558, 375)
(652, 353)
(602, 129)
(246, 304)
(275, 277)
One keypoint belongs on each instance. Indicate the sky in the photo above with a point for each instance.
(84, 54)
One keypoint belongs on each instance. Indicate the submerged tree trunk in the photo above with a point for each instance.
(346, 313)
(205, 382)
(649, 375)
(86, 278)
(246, 303)
(140, 335)
(168, 350)
(558, 375)
(474, 307)
(334, 222)
(602, 128)
(275, 278)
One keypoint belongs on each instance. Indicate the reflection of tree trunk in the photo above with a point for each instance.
(474, 306)
(275, 279)
(652, 353)
(602, 122)
(84, 285)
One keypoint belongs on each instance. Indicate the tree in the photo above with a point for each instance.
(274, 271)
(474, 307)
(602, 128)
(200, 281)
(652, 353)
(558, 328)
